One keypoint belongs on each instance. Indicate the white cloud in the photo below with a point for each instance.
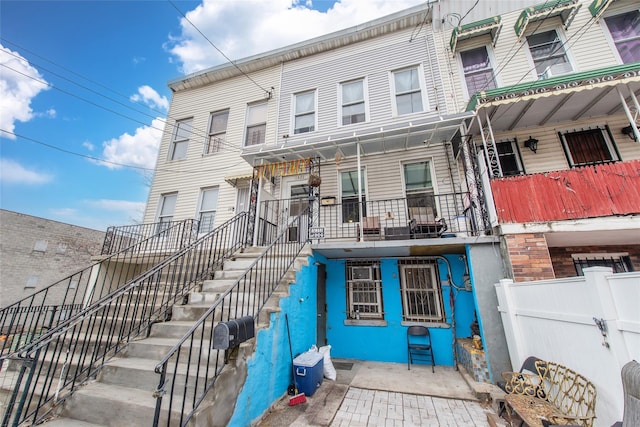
(244, 28)
(150, 97)
(101, 213)
(12, 172)
(18, 86)
(140, 149)
(89, 146)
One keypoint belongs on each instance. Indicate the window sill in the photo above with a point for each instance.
(354, 322)
(435, 325)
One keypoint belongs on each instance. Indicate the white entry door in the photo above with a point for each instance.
(297, 195)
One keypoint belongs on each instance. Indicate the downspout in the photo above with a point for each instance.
(359, 191)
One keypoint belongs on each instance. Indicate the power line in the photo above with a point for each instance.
(268, 92)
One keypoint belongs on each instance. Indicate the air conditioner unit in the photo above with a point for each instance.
(361, 273)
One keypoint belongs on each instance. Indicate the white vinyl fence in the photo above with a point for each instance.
(590, 324)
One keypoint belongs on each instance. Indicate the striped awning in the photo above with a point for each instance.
(475, 29)
(566, 9)
(235, 179)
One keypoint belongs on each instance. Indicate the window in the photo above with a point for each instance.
(478, 73)
(625, 32)
(349, 193)
(256, 124)
(217, 132)
(588, 147)
(618, 262)
(299, 199)
(548, 54)
(167, 208)
(509, 158)
(408, 91)
(364, 296)
(418, 186)
(182, 132)
(305, 112)
(208, 206)
(353, 103)
(421, 292)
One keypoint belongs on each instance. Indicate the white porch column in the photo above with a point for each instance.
(510, 322)
(632, 121)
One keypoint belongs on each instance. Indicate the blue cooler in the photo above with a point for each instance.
(308, 367)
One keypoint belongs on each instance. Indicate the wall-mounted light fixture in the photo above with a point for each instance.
(532, 144)
(628, 130)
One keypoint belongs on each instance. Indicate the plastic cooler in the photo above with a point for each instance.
(308, 367)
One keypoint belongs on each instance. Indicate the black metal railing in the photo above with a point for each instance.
(75, 350)
(191, 368)
(168, 236)
(27, 319)
(416, 216)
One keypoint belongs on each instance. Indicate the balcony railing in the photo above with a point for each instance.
(170, 236)
(420, 216)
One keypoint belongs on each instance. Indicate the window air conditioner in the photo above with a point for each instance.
(361, 273)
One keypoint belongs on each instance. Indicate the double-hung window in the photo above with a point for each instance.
(180, 143)
(421, 292)
(217, 132)
(509, 158)
(353, 102)
(350, 199)
(418, 186)
(548, 54)
(305, 112)
(208, 206)
(625, 32)
(167, 208)
(408, 91)
(364, 293)
(256, 124)
(478, 72)
(589, 147)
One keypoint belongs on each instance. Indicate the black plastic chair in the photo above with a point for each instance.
(419, 346)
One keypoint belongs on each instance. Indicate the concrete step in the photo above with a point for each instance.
(156, 348)
(70, 422)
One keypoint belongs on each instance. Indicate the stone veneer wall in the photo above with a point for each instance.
(529, 257)
(473, 359)
(36, 252)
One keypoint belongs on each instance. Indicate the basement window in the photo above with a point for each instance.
(364, 291)
(618, 262)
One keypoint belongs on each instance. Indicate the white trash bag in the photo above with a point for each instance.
(328, 370)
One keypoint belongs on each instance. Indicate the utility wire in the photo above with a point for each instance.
(268, 92)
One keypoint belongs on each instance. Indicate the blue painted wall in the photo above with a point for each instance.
(269, 368)
(388, 343)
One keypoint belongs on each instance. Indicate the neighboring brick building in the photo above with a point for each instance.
(36, 252)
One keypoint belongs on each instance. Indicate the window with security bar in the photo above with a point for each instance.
(421, 291)
(618, 262)
(589, 147)
(364, 290)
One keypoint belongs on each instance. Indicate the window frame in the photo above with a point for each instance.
(219, 134)
(517, 156)
(364, 102)
(202, 211)
(435, 290)
(179, 142)
(422, 87)
(423, 192)
(562, 40)
(607, 30)
(255, 125)
(608, 141)
(491, 58)
(295, 114)
(374, 282)
(164, 220)
(356, 219)
(582, 261)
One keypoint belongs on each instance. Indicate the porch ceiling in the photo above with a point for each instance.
(385, 139)
(557, 100)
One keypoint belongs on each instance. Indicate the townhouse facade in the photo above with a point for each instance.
(397, 140)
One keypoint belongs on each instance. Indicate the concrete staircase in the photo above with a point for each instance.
(122, 394)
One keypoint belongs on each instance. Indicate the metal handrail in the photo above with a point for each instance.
(118, 238)
(190, 369)
(75, 350)
(27, 319)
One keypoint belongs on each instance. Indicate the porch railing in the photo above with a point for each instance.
(169, 236)
(74, 351)
(191, 368)
(25, 320)
(412, 217)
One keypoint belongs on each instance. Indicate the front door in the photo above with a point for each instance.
(297, 201)
(321, 306)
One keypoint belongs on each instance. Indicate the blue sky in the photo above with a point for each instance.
(84, 81)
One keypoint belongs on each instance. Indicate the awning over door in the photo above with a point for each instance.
(475, 29)
(558, 99)
(234, 180)
(566, 9)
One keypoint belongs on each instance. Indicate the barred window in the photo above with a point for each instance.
(618, 262)
(364, 296)
(421, 292)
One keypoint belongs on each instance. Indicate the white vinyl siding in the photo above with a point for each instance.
(180, 143)
(304, 112)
